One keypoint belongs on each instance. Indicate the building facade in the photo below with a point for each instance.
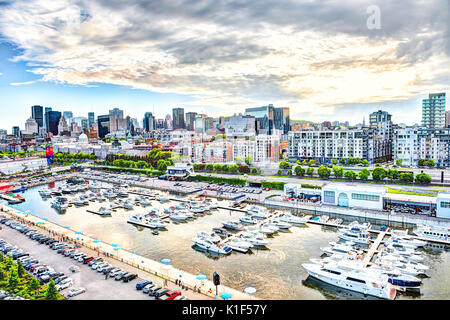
(433, 111)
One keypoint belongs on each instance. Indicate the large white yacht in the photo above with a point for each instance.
(210, 246)
(289, 218)
(432, 232)
(351, 275)
(357, 236)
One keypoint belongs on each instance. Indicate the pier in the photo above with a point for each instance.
(374, 247)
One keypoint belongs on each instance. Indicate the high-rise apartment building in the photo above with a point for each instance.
(53, 121)
(103, 123)
(190, 119)
(37, 113)
(178, 118)
(149, 122)
(433, 111)
(91, 118)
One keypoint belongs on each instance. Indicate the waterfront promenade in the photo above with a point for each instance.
(149, 266)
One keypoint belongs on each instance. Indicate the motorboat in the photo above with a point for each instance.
(78, 203)
(248, 220)
(155, 212)
(268, 229)
(233, 225)
(361, 237)
(127, 206)
(210, 246)
(407, 255)
(257, 212)
(239, 245)
(145, 202)
(162, 199)
(339, 248)
(104, 212)
(289, 218)
(432, 232)
(280, 224)
(255, 238)
(178, 217)
(209, 235)
(122, 194)
(45, 193)
(400, 250)
(383, 263)
(221, 232)
(407, 244)
(101, 199)
(59, 206)
(351, 275)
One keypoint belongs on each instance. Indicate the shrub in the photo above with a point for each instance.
(254, 170)
(338, 171)
(350, 174)
(310, 171)
(284, 165)
(364, 174)
(273, 185)
(324, 171)
(423, 178)
(378, 174)
(299, 171)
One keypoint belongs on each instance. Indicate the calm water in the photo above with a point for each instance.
(276, 273)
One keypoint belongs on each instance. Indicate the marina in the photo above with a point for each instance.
(278, 258)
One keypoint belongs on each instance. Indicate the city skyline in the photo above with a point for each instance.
(66, 56)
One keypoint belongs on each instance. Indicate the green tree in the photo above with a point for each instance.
(233, 168)
(284, 165)
(279, 172)
(13, 279)
(392, 174)
(254, 170)
(20, 269)
(304, 162)
(310, 171)
(51, 293)
(34, 284)
(238, 159)
(218, 167)
(334, 161)
(398, 162)
(225, 168)
(378, 174)
(350, 174)
(430, 163)
(364, 174)
(350, 160)
(298, 162)
(342, 161)
(248, 160)
(289, 172)
(161, 165)
(423, 178)
(406, 176)
(299, 171)
(312, 162)
(357, 160)
(338, 171)
(324, 172)
(209, 167)
(422, 162)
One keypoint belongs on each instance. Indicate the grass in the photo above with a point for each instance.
(390, 190)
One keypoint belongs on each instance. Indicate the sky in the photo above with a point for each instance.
(325, 60)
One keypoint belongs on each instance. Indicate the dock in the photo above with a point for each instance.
(374, 247)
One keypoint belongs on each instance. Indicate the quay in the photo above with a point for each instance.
(374, 247)
(150, 266)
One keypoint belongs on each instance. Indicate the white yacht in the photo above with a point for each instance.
(45, 193)
(233, 225)
(280, 224)
(407, 243)
(268, 229)
(178, 217)
(361, 237)
(209, 235)
(162, 199)
(145, 202)
(208, 245)
(240, 245)
(101, 199)
(339, 248)
(255, 238)
(59, 206)
(353, 276)
(257, 212)
(122, 194)
(432, 232)
(104, 212)
(390, 264)
(247, 220)
(289, 218)
(127, 206)
(78, 202)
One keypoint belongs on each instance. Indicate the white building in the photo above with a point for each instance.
(31, 126)
(443, 205)
(347, 195)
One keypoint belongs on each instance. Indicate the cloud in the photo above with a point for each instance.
(22, 83)
(313, 56)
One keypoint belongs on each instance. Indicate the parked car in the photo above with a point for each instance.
(147, 288)
(95, 260)
(87, 259)
(75, 292)
(74, 269)
(141, 284)
(129, 277)
(120, 275)
(160, 293)
(153, 290)
(170, 295)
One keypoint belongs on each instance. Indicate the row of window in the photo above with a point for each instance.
(367, 197)
(445, 204)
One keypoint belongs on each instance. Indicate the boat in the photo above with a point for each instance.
(351, 275)
(127, 206)
(209, 235)
(145, 221)
(155, 232)
(178, 217)
(104, 212)
(257, 212)
(78, 203)
(45, 193)
(157, 223)
(280, 224)
(122, 194)
(407, 243)
(162, 198)
(145, 202)
(289, 218)
(390, 264)
(233, 225)
(221, 232)
(357, 236)
(59, 206)
(267, 229)
(432, 232)
(248, 220)
(240, 245)
(255, 238)
(101, 199)
(209, 246)
(339, 248)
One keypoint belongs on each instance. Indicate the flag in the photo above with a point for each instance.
(49, 154)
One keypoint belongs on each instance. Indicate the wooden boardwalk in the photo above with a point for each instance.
(374, 247)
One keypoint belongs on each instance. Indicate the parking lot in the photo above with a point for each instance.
(97, 287)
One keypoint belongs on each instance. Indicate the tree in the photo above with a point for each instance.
(238, 159)
(234, 168)
(225, 168)
(289, 172)
(304, 162)
(248, 160)
(324, 172)
(161, 165)
(406, 176)
(364, 174)
(279, 172)
(312, 162)
(51, 293)
(365, 162)
(209, 167)
(398, 162)
(350, 174)
(298, 162)
(430, 163)
(378, 174)
(299, 171)
(342, 160)
(20, 269)
(34, 285)
(357, 160)
(218, 167)
(392, 174)
(254, 170)
(338, 171)
(423, 178)
(310, 171)
(350, 160)
(13, 279)
(422, 162)
(334, 161)
(284, 165)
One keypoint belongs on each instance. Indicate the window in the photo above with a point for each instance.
(355, 280)
(329, 193)
(445, 204)
(367, 197)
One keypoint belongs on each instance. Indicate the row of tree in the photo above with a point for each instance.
(378, 174)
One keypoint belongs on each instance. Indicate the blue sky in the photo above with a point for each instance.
(219, 57)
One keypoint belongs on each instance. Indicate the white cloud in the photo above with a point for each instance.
(229, 58)
(22, 83)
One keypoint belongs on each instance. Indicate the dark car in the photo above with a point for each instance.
(19, 255)
(129, 277)
(152, 291)
(61, 250)
(141, 284)
(51, 241)
(43, 240)
(160, 293)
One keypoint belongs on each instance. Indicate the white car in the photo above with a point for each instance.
(76, 291)
(100, 265)
(74, 269)
(64, 285)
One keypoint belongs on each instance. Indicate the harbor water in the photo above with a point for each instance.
(275, 272)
